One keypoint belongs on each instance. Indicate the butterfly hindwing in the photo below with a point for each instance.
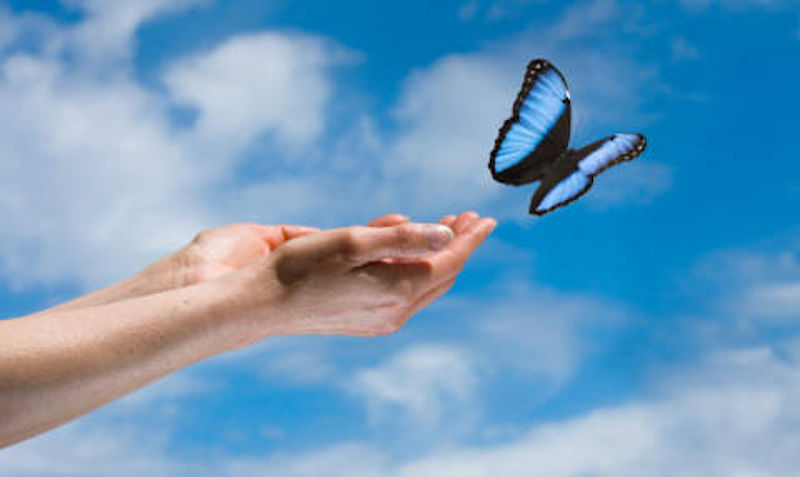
(574, 173)
(538, 130)
(553, 194)
(600, 155)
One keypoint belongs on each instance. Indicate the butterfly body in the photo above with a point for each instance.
(533, 144)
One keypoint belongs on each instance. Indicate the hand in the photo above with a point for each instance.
(222, 250)
(358, 280)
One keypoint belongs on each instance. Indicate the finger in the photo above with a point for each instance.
(389, 220)
(448, 220)
(450, 261)
(464, 221)
(429, 273)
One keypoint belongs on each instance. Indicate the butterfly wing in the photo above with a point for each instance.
(555, 193)
(538, 131)
(600, 155)
(566, 182)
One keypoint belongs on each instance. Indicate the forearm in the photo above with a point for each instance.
(163, 275)
(60, 365)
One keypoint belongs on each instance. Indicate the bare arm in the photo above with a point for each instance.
(59, 365)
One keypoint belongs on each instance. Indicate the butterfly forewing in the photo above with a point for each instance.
(538, 130)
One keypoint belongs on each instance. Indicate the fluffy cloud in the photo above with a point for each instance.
(252, 84)
(731, 414)
(757, 289)
(107, 33)
(422, 381)
(733, 417)
(96, 180)
(92, 183)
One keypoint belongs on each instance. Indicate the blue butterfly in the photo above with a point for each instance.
(533, 144)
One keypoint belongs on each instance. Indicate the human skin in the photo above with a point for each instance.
(231, 287)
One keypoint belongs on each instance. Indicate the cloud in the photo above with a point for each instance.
(96, 179)
(422, 381)
(107, 33)
(755, 288)
(733, 413)
(92, 182)
(774, 301)
(448, 117)
(252, 84)
(733, 417)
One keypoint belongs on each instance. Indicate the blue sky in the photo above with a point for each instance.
(649, 329)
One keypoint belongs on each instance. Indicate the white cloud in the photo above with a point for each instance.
(422, 381)
(732, 414)
(756, 288)
(96, 181)
(449, 115)
(107, 33)
(251, 84)
(777, 301)
(738, 424)
(92, 183)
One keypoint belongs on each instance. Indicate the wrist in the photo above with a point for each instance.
(171, 272)
(250, 305)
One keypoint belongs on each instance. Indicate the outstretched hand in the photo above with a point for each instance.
(358, 280)
(230, 287)
(222, 250)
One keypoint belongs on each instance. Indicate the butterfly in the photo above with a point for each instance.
(533, 144)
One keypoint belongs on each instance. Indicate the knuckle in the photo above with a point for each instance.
(351, 242)
(290, 269)
(406, 234)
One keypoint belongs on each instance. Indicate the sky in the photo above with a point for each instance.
(650, 329)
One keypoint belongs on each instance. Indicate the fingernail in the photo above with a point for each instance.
(438, 236)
